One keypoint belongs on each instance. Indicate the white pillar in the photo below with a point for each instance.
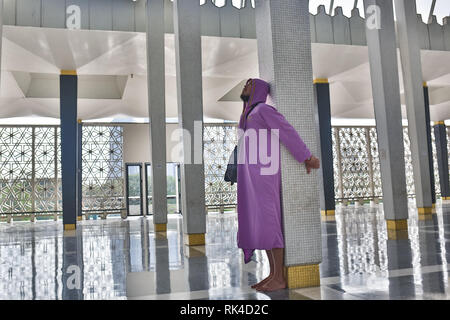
(157, 110)
(407, 26)
(188, 50)
(386, 97)
(285, 61)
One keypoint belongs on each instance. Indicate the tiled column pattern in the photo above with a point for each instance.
(285, 61)
(429, 142)
(440, 134)
(408, 35)
(387, 106)
(188, 51)
(322, 97)
(69, 132)
(157, 110)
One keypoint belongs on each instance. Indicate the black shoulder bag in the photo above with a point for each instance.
(231, 172)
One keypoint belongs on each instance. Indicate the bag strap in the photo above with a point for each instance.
(251, 109)
(248, 114)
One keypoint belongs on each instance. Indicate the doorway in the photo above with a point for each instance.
(134, 189)
(173, 191)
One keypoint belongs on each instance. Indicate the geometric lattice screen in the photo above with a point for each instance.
(356, 163)
(30, 169)
(16, 155)
(30, 166)
(437, 184)
(219, 142)
(355, 170)
(103, 168)
(410, 188)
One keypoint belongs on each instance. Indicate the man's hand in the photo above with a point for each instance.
(313, 163)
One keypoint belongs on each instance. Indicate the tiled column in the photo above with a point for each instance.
(440, 134)
(188, 51)
(157, 110)
(327, 197)
(285, 61)
(79, 169)
(408, 35)
(388, 117)
(69, 147)
(429, 142)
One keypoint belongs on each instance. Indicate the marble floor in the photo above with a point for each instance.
(126, 259)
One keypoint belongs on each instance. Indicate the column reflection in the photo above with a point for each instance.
(429, 247)
(162, 272)
(72, 267)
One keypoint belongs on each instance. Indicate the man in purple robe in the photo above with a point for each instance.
(261, 128)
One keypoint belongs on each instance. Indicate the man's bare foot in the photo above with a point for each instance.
(272, 285)
(263, 282)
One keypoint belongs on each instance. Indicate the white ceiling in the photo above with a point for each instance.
(112, 69)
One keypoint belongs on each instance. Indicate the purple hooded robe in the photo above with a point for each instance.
(259, 195)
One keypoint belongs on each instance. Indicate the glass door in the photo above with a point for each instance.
(134, 189)
(179, 188)
(172, 187)
(148, 188)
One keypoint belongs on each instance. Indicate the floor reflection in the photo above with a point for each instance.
(126, 259)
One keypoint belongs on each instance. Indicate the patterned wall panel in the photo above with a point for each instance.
(377, 187)
(219, 143)
(15, 169)
(30, 169)
(435, 164)
(355, 162)
(410, 188)
(103, 169)
(356, 166)
(336, 166)
(46, 162)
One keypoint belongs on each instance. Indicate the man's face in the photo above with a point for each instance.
(245, 95)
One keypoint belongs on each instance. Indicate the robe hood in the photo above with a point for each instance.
(260, 91)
